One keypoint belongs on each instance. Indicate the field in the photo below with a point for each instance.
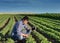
(47, 27)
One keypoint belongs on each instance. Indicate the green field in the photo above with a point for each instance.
(47, 27)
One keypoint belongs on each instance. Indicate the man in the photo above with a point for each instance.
(21, 29)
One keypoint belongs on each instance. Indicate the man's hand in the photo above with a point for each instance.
(25, 35)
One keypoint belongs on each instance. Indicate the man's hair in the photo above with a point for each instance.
(25, 18)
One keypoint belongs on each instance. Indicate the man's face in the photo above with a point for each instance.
(25, 21)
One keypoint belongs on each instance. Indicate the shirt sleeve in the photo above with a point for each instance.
(28, 29)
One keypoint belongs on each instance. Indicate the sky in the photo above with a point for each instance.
(36, 6)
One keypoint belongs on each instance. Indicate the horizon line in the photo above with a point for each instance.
(23, 12)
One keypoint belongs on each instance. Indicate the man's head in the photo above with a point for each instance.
(25, 20)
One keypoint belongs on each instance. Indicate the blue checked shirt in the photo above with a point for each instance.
(20, 28)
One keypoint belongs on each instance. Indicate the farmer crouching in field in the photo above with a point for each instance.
(21, 30)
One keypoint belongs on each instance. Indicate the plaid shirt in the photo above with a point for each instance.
(20, 28)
